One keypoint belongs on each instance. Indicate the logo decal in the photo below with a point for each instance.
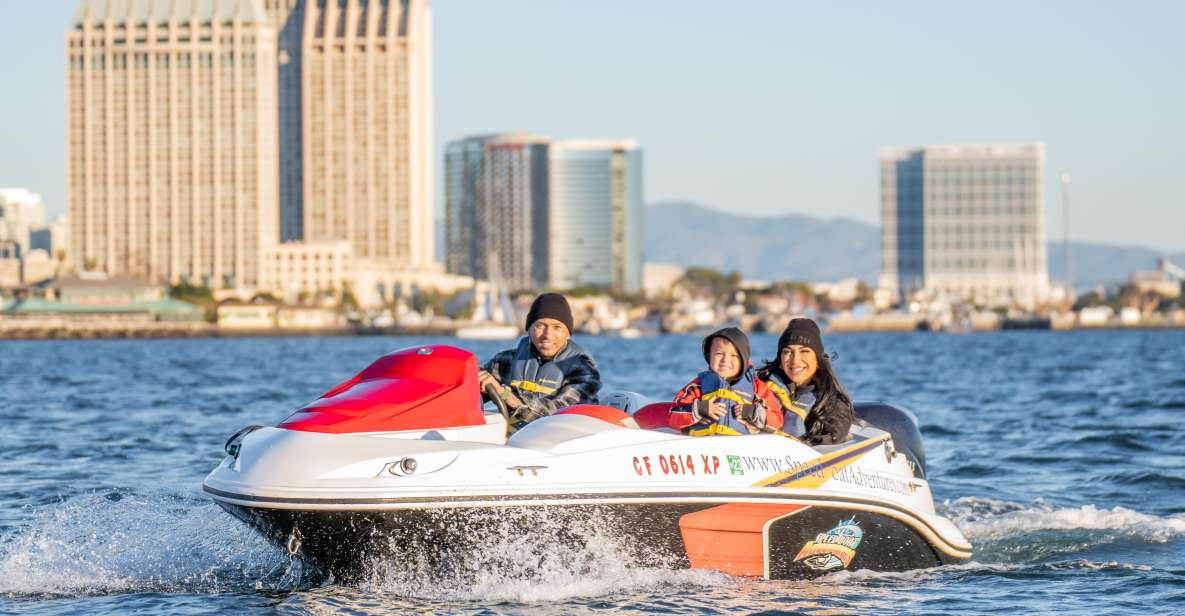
(833, 549)
(734, 465)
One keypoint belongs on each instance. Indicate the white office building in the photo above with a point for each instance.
(965, 223)
(21, 212)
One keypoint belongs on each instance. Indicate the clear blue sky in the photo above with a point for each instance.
(765, 107)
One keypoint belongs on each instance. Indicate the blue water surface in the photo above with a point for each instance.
(1061, 456)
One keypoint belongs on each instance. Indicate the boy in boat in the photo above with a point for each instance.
(546, 371)
(726, 398)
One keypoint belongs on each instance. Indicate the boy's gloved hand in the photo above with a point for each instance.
(708, 410)
(752, 414)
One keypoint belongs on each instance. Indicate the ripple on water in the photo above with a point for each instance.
(1111, 440)
(1149, 478)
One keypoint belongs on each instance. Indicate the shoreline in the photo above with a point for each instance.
(124, 332)
(167, 332)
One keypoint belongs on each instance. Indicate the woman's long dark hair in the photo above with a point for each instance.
(831, 416)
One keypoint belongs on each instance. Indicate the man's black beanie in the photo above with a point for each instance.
(804, 332)
(738, 340)
(551, 306)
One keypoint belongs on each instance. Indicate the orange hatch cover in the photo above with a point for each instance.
(729, 538)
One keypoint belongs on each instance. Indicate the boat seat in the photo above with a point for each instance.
(654, 416)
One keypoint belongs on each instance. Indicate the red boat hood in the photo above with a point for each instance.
(418, 388)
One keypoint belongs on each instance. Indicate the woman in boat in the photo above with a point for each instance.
(815, 405)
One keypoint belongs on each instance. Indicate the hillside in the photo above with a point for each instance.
(815, 249)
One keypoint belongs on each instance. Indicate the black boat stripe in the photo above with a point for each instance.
(576, 497)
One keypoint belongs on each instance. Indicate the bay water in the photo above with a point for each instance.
(1061, 456)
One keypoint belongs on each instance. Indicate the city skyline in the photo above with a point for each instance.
(792, 88)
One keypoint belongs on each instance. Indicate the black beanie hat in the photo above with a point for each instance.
(551, 306)
(802, 331)
(738, 340)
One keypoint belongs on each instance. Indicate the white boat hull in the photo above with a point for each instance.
(759, 505)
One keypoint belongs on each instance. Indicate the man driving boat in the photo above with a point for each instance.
(546, 371)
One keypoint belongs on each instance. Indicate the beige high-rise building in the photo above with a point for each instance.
(365, 143)
(171, 139)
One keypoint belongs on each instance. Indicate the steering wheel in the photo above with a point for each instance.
(499, 403)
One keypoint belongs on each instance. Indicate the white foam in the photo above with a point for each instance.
(913, 577)
(96, 545)
(1099, 566)
(531, 557)
(940, 575)
(988, 519)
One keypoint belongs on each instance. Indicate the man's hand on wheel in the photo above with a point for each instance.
(487, 382)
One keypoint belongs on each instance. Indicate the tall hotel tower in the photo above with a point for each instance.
(965, 223)
(171, 139)
(355, 126)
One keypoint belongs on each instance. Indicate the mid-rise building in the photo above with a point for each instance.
(965, 223)
(54, 238)
(496, 209)
(596, 215)
(529, 213)
(355, 126)
(301, 271)
(171, 140)
(21, 213)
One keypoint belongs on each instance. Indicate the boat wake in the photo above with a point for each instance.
(1006, 532)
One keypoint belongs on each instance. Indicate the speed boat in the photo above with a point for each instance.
(401, 461)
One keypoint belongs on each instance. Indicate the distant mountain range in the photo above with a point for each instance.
(814, 249)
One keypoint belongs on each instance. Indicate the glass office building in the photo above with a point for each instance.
(529, 213)
(596, 215)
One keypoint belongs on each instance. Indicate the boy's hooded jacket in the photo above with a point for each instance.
(744, 395)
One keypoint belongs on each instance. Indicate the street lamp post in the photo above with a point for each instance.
(1069, 264)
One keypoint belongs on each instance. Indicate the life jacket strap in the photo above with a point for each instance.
(726, 394)
(713, 429)
(533, 387)
(784, 397)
